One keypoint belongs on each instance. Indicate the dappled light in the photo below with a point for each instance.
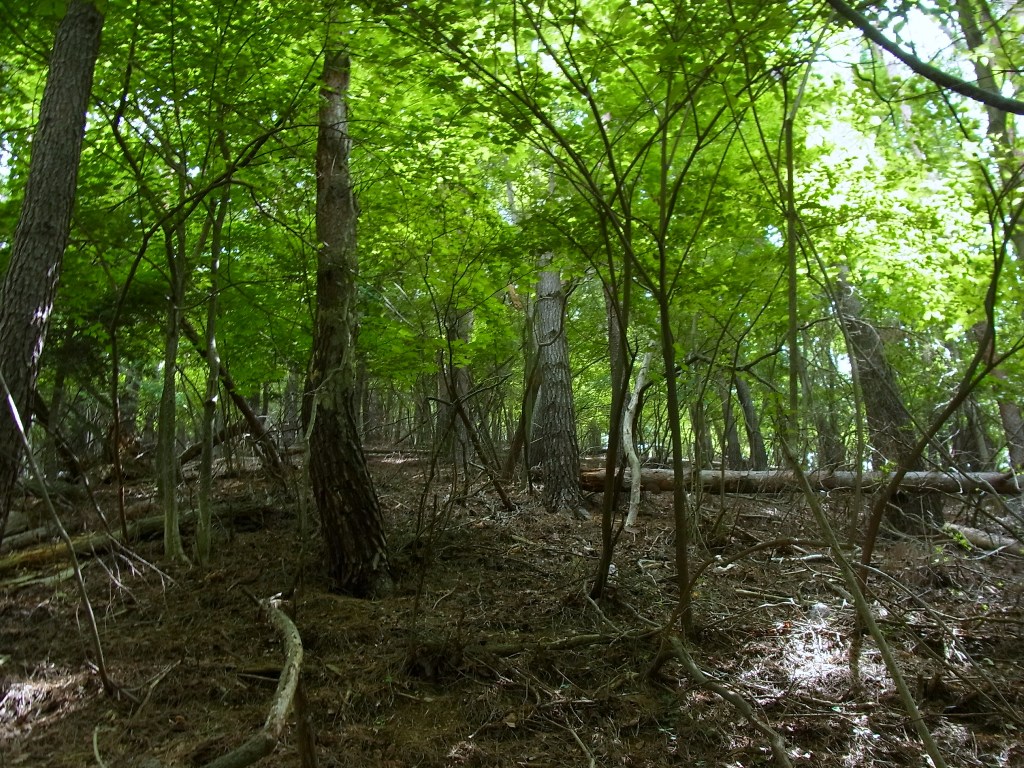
(595, 383)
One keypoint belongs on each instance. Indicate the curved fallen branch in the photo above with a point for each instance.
(267, 739)
(776, 741)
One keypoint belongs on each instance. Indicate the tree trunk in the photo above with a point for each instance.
(786, 481)
(890, 427)
(166, 436)
(629, 438)
(561, 455)
(204, 525)
(41, 235)
(1008, 157)
(454, 385)
(758, 454)
(732, 453)
(269, 454)
(343, 491)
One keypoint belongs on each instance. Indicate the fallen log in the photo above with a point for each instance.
(986, 540)
(779, 481)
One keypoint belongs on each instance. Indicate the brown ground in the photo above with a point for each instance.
(490, 653)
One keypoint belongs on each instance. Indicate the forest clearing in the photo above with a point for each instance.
(511, 382)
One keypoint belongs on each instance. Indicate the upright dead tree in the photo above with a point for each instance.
(343, 491)
(30, 285)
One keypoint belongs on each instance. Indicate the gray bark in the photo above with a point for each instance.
(890, 426)
(557, 415)
(350, 515)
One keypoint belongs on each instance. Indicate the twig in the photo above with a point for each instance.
(101, 666)
(96, 747)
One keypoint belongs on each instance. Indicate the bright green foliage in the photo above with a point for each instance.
(641, 143)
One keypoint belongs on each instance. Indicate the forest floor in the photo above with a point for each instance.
(489, 652)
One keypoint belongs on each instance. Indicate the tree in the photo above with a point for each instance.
(343, 490)
(30, 285)
(559, 448)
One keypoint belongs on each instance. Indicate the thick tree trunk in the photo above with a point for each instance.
(30, 285)
(454, 385)
(890, 427)
(561, 455)
(343, 491)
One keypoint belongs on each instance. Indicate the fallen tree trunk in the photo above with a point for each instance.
(96, 542)
(779, 481)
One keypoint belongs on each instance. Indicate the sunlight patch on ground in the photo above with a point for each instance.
(29, 704)
(814, 653)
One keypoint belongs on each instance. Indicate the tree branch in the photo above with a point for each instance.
(925, 70)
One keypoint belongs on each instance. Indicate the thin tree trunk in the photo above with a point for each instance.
(41, 235)
(166, 439)
(758, 454)
(350, 515)
(268, 451)
(629, 439)
(204, 524)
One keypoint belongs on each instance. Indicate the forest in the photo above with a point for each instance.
(511, 383)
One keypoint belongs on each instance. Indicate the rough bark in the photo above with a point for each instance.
(561, 455)
(1008, 158)
(784, 481)
(343, 490)
(41, 235)
(758, 454)
(890, 426)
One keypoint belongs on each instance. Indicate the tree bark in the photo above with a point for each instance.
(350, 515)
(454, 385)
(560, 455)
(758, 454)
(890, 426)
(629, 439)
(1008, 158)
(167, 430)
(785, 481)
(732, 453)
(41, 235)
